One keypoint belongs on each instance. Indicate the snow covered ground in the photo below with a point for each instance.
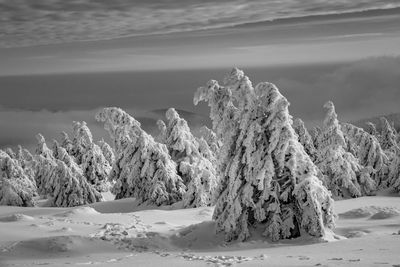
(117, 233)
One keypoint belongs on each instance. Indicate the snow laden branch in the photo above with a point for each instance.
(143, 168)
(268, 179)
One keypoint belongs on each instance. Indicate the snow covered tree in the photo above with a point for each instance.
(61, 178)
(16, 189)
(27, 162)
(268, 179)
(11, 153)
(394, 170)
(82, 140)
(44, 166)
(71, 188)
(197, 171)
(96, 168)
(66, 143)
(143, 168)
(387, 136)
(315, 132)
(211, 139)
(305, 138)
(60, 153)
(345, 176)
(372, 129)
(107, 152)
(42, 148)
(367, 149)
(88, 155)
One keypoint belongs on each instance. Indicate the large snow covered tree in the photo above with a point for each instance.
(387, 136)
(394, 170)
(197, 171)
(25, 160)
(345, 176)
(143, 168)
(367, 149)
(60, 153)
(96, 168)
(44, 167)
(71, 188)
(45, 176)
(82, 140)
(269, 181)
(305, 138)
(16, 189)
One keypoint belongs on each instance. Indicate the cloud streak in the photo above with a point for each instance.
(27, 22)
(364, 88)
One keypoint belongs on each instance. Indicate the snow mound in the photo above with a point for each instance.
(374, 212)
(356, 234)
(16, 217)
(54, 244)
(63, 229)
(198, 236)
(124, 205)
(57, 246)
(359, 213)
(77, 212)
(385, 213)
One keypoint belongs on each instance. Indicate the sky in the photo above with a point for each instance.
(62, 61)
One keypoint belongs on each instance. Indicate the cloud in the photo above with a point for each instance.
(19, 127)
(364, 88)
(360, 89)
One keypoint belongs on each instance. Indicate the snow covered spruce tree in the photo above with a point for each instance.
(96, 168)
(67, 143)
(387, 136)
(305, 138)
(268, 179)
(345, 177)
(42, 148)
(197, 171)
(81, 141)
(367, 149)
(25, 160)
(16, 189)
(61, 154)
(394, 170)
(60, 178)
(44, 168)
(371, 129)
(71, 188)
(211, 139)
(143, 168)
